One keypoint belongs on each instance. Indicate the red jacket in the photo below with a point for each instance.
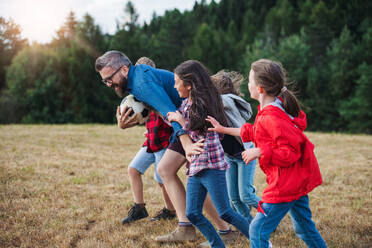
(287, 155)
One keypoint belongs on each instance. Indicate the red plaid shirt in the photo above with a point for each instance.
(158, 133)
(213, 156)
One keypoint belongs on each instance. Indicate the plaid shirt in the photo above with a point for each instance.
(158, 133)
(213, 155)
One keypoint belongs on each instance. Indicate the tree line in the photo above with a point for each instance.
(325, 45)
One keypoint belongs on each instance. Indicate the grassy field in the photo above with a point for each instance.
(67, 186)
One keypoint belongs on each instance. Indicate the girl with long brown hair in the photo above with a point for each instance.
(207, 170)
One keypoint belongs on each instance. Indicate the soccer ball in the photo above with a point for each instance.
(139, 109)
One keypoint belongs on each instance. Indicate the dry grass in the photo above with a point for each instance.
(67, 186)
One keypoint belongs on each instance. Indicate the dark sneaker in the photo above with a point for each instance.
(135, 213)
(164, 214)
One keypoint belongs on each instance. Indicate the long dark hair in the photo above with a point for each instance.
(204, 95)
(272, 77)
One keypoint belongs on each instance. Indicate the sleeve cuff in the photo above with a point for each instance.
(180, 132)
(244, 134)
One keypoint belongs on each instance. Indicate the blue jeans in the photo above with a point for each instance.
(143, 160)
(214, 182)
(264, 224)
(239, 179)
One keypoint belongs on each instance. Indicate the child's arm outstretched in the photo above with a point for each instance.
(217, 127)
(249, 154)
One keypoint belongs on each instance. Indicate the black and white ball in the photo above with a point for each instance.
(139, 109)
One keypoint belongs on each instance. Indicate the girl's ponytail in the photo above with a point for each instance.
(291, 104)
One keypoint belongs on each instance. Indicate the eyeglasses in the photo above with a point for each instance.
(108, 81)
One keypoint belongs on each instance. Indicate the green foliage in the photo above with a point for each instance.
(293, 54)
(357, 109)
(325, 46)
(249, 28)
(34, 85)
(281, 20)
(206, 47)
(168, 45)
(342, 56)
(56, 84)
(10, 43)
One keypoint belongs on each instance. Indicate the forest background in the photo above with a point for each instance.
(325, 46)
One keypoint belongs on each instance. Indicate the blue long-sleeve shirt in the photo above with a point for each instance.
(155, 87)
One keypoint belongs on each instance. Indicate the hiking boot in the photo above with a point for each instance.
(164, 214)
(182, 233)
(227, 238)
(136, 212)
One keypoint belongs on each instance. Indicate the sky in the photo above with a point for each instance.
(39, 19)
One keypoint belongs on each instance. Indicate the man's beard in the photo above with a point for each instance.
(120, 89)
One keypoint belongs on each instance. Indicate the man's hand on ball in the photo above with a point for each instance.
(124, 120)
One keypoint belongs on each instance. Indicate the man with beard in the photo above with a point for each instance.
(155, 87)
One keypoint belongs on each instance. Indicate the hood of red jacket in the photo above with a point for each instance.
(300, 121)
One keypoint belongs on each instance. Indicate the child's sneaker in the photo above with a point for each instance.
(164, 214)
(136, 212)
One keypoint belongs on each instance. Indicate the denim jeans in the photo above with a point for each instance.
(214, 182)
(264, 224)
(239, 179)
